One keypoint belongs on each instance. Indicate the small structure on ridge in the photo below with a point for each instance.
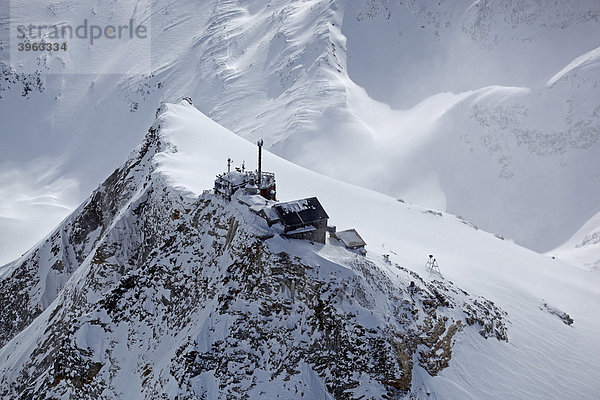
(432, 265)
(351, 239)
(299, 219)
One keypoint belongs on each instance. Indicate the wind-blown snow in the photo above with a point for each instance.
(32, 201)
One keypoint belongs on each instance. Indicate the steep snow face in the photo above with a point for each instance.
(371, 92)
(542, 148)
(516, 150)
(588, 61)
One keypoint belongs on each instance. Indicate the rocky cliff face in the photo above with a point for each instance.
(146, 292)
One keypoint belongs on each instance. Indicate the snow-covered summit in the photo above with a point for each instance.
(154, 287)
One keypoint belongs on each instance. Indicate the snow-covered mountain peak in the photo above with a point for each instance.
(154, 286)
(149, 289)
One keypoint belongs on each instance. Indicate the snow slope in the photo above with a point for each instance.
(543, 357)
(386, 84)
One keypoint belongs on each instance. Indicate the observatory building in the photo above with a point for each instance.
(303, 219)
(298, 219)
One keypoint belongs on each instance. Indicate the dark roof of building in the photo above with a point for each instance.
(299, 212)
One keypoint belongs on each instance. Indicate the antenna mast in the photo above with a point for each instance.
(260, 145)
(229, 161)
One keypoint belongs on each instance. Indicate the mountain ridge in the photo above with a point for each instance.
(305, 77)
(164, 260)
(163, 292)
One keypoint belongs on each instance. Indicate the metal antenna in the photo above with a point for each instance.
(260, 145)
